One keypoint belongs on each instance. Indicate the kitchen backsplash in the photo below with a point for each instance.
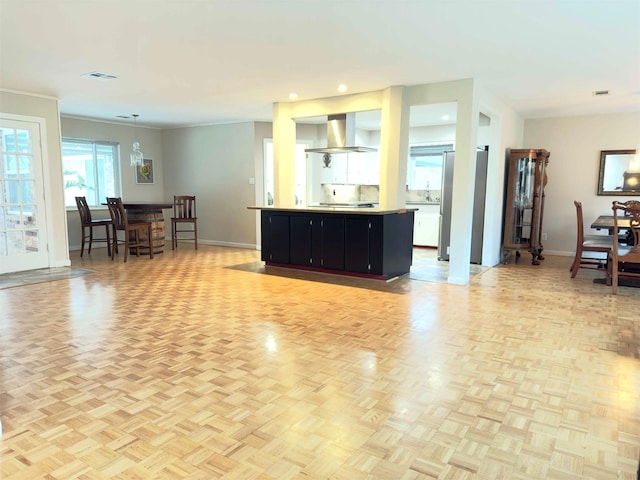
(344, 193)
(341, 193)
(429, 196)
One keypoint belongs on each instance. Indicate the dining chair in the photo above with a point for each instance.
(88, 224)
(184, 212)
(624, 260)
(137, 234)
(588, 243)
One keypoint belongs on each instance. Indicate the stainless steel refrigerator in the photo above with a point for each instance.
(478, 205)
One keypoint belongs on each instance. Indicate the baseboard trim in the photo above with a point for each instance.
(76, 248)
(226, 244)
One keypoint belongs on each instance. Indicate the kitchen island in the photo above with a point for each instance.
(359, 241)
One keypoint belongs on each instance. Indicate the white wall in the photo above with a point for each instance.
(575, 144)
(47, 109)
(432, 134)
(215, 163)
(505, 131)
(151, 146)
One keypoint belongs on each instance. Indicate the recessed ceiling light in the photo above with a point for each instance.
(342, 88)
(293, 96)
(598, 93)
(99, 75)
(444, 117)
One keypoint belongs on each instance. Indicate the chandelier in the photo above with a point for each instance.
(137, 158)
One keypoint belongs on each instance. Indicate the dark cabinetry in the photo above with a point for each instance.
(276, 241)
(370, 245)
(331, 242)
(301, 232)
(357, 242)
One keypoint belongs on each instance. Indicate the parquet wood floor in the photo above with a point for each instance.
(201, 365)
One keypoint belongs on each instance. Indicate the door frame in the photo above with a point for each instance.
(41, 123)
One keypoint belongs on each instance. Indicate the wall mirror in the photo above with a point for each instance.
(619, 172)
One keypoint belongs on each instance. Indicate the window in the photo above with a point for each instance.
(424, 170)
(91, 169)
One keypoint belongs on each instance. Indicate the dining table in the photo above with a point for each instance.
(624, 224)
(607, 222)
(149, 211)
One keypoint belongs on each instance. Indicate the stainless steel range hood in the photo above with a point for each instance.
(341, 135)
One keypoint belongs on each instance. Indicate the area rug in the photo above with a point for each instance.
(30, 277)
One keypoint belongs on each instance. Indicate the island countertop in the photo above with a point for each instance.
(337, 209)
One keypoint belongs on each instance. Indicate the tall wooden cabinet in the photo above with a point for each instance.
(524, 203)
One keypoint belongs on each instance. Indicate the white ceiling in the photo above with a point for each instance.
(205, 61)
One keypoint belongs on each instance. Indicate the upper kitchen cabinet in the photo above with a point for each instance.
(524, 203)
(334, 169)
(364, 168)
(361, 168)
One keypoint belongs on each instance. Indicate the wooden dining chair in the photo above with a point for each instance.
(624, 260)
(88, 224)
(589, 243)
(184, 212)
(137, 234)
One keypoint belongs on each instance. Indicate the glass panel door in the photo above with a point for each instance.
(23, 234)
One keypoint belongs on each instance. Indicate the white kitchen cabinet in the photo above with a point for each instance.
(336, 172)
(326, 174)
(371, 168)
(364, 168)
(356, 169)
(426, 226)
(352, 168)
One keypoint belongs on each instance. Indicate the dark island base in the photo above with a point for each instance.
(375, 245)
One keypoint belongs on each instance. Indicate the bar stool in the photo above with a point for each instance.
(133, 231)
(184, 211)
(87, 226)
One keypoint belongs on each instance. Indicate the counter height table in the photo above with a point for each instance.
(149, 212)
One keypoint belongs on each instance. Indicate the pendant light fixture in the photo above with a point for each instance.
(137, 158)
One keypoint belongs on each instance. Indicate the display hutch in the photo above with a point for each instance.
(524, 203)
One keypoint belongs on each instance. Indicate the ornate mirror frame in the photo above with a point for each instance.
(619, 173)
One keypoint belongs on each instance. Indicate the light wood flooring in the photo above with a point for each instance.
(201, 365)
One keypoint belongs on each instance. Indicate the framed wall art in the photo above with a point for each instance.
(144, 172)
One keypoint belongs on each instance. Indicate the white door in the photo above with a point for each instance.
(23, 233)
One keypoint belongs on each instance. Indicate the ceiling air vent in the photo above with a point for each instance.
(599, 93)
(100, 75)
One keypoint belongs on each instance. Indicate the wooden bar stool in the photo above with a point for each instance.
(134, 232)
(88, 224)
(184, 212)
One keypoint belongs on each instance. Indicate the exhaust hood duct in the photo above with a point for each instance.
(341, 136)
